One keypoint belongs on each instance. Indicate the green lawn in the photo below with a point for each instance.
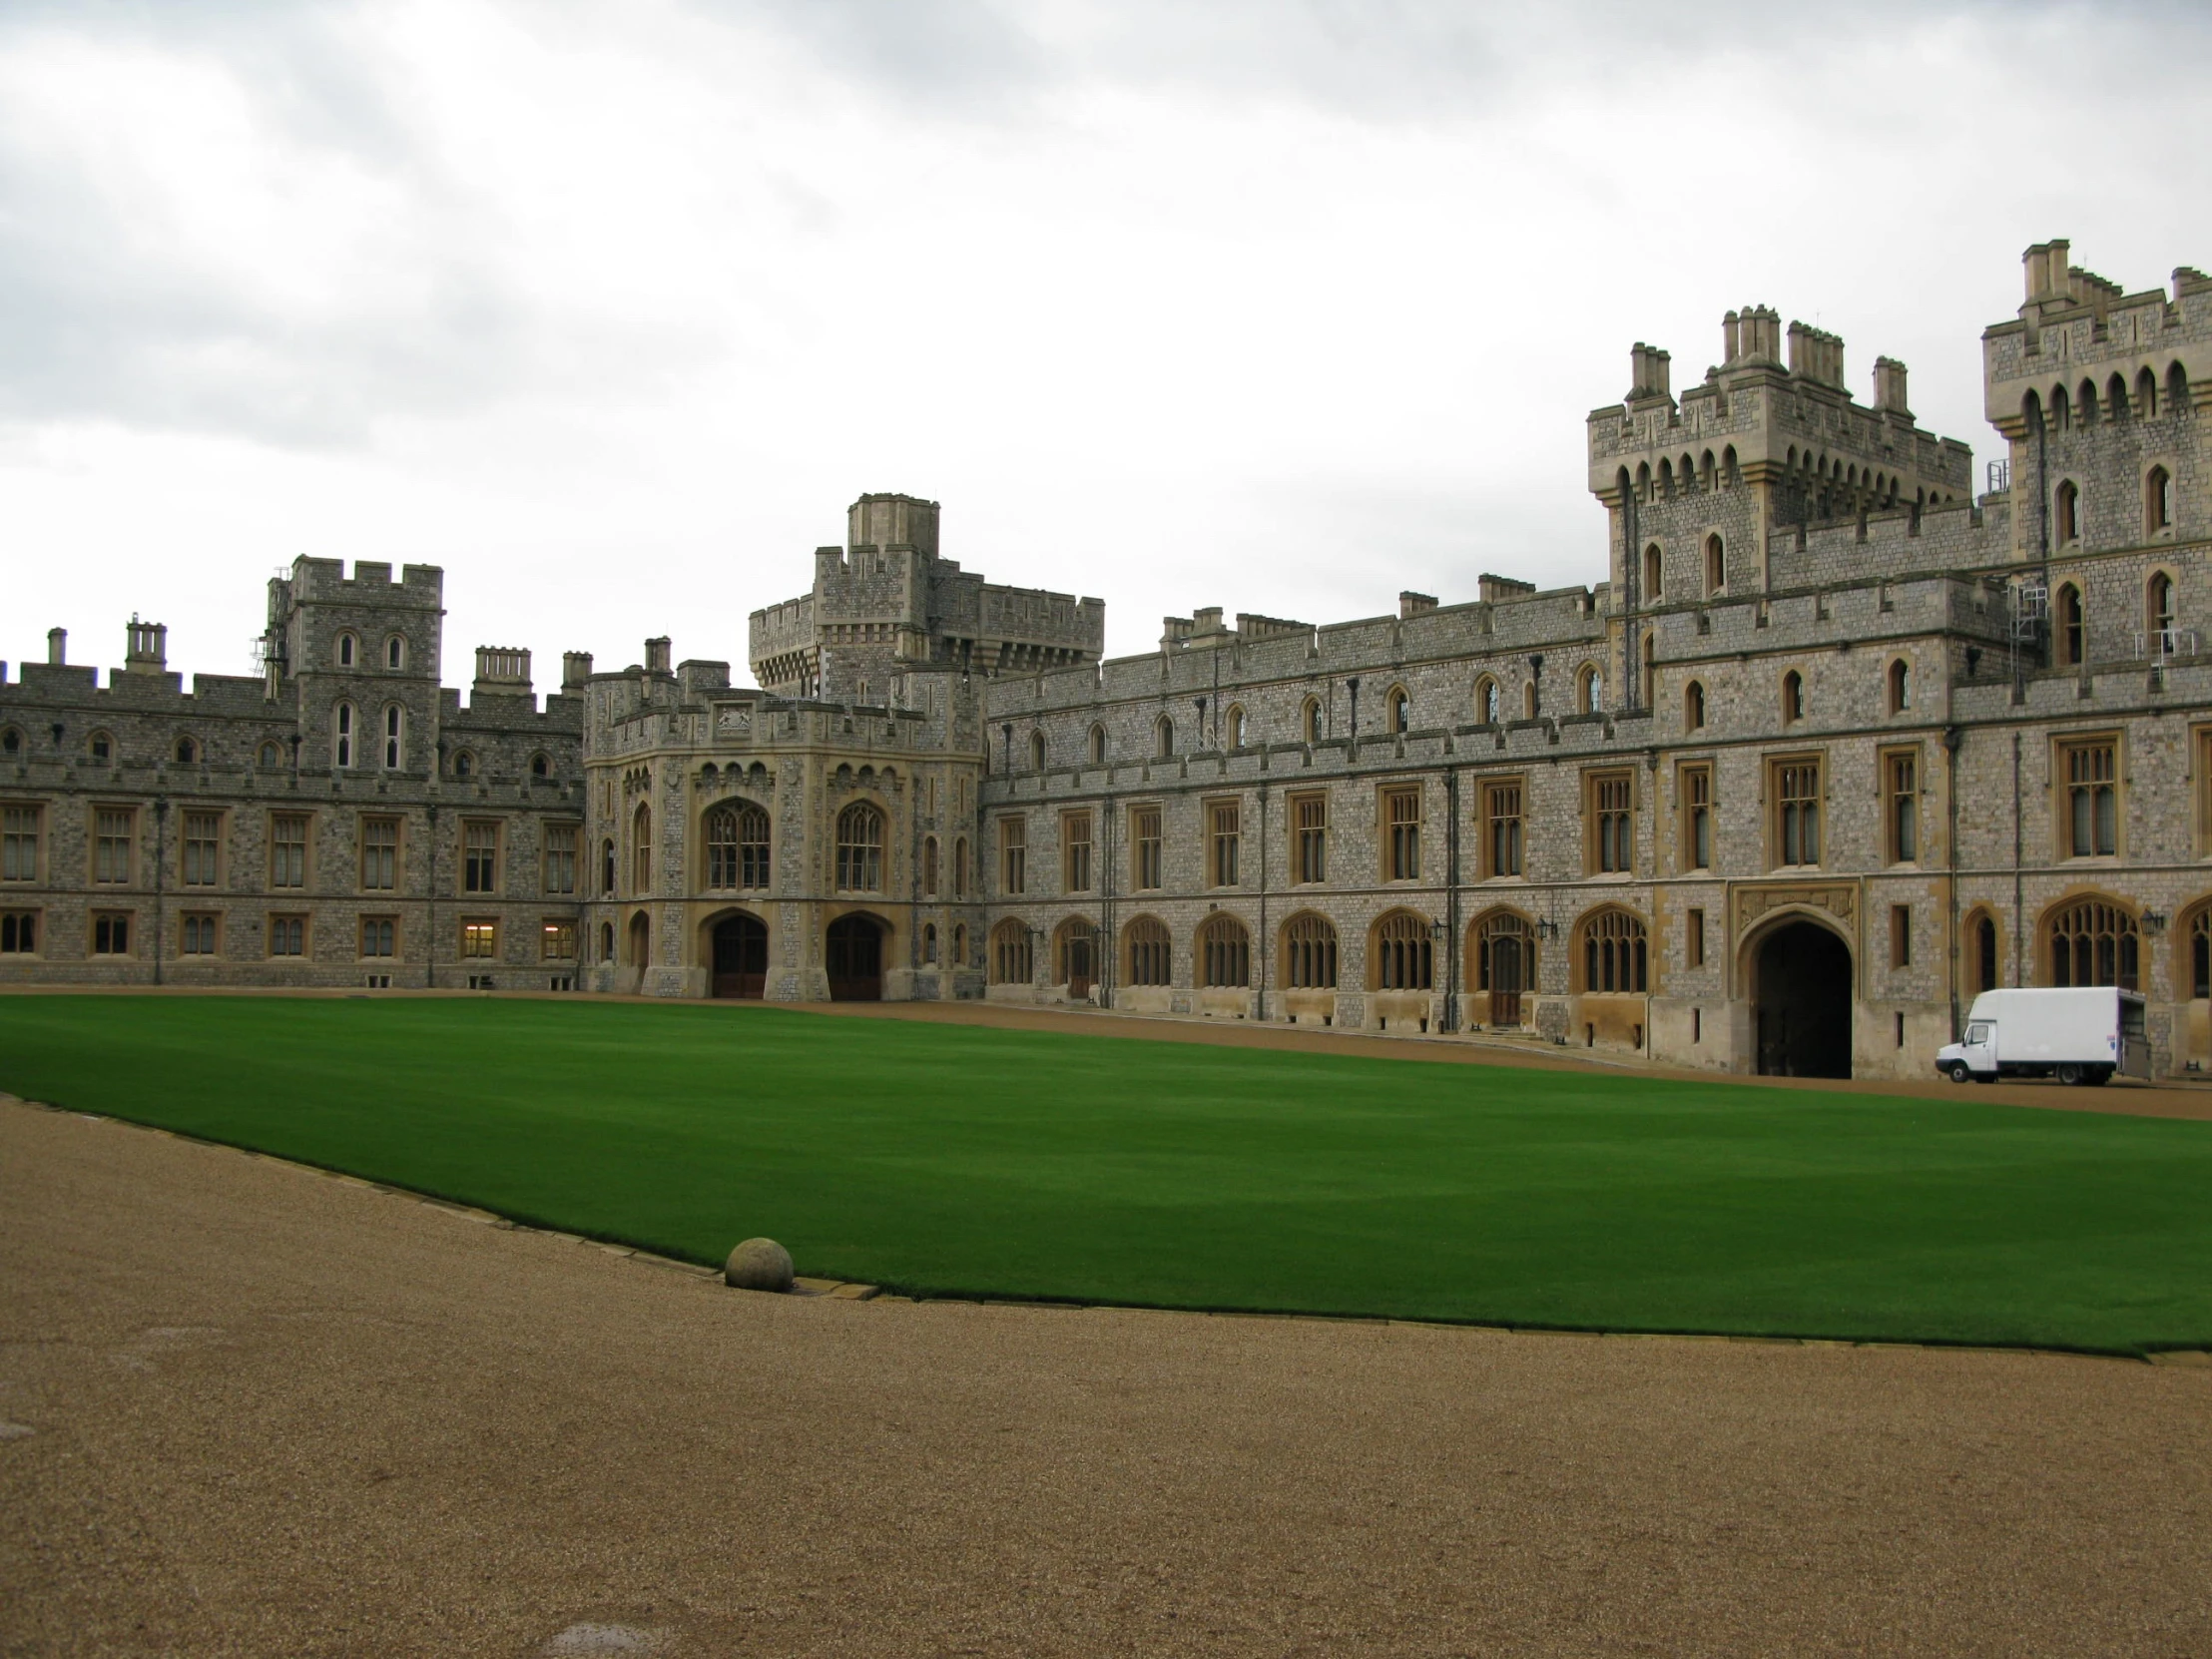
(956, 1160)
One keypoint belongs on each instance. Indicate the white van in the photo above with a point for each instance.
(2076, 1033)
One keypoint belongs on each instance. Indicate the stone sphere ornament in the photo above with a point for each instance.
(758, 1265)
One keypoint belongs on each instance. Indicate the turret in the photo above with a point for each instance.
(886, 604)
(888, 521)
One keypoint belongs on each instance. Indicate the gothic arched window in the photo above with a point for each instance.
(860, 848)
(2094, 943)
(1224, 952)
(1614, 952)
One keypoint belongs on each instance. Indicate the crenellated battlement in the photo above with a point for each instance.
(324, 581)
(1794, 435)
(1219, 661)
(887, 603)
(2081, 345)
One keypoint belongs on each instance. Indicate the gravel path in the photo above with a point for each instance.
(2165, 1100)
(254, 1410)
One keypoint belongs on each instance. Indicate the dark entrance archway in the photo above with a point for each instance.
(1804, 983)
(740, 957)
(854, 953)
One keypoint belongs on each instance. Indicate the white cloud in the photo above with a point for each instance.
(611, 310)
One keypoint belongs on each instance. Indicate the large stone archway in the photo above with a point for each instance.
(852, 951)
(737, 957)
(1801, 980)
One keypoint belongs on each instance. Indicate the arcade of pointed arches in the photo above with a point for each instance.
(1610, 945)
(2082, 939)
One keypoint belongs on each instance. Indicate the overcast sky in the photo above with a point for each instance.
(611, 309)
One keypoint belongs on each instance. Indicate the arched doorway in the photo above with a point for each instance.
(1076, 948)
(740, 957)
(855, 952)
(1802, 976)
(1502, 964)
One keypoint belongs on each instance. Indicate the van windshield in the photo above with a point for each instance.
(1980, 1033)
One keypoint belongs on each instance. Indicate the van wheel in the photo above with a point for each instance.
(2069, 1073)
(1958, 1071)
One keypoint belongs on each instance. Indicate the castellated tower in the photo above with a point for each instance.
(2093, 388)
(367, 645)
(1695, 489)
(885, 605)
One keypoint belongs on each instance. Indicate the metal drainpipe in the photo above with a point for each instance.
(1451, 900)
(1953, 737)
(914, 879)
(1107, 955)
(431, 893)
(1263, 987)
(161, 861)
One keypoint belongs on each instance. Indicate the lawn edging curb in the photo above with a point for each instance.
(813, 1287)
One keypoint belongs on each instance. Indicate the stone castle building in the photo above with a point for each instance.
(1838, 742)
(341, 819)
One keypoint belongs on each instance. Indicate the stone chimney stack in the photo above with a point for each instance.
(1817, 354)
(2044, 268)
(575, 669)
(1757, 337)
(57, 646)
(502, 669)
(145, 647)
(657, 654)
(1493, 587)
(1650, 372)
(1888, 387)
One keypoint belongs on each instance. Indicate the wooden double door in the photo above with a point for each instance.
(1082, 966)
(853, 953)
(740, 957)
(1507, 965)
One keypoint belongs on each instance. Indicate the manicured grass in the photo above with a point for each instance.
(948, 1159)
